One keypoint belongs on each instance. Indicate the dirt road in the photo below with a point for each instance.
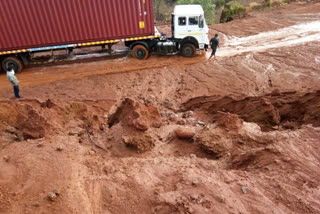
(172, 134)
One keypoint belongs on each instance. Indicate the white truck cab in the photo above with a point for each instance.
(189, 35)
(189, 21)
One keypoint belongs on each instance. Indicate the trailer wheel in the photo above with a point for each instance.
(12, 62)
(140, 52)
(188, 50)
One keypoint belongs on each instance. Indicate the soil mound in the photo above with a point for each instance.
(229, 135)
(133, 113)
(136, 120)
(25, 119)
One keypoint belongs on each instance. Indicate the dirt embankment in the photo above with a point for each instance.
(172, 135)
(277, 110)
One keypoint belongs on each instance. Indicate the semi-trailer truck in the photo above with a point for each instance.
(33, 26)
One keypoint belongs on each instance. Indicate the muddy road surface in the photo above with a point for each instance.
(172, 134)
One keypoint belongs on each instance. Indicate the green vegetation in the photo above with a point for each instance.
(208, 7)
(233, 10)
(212, 8)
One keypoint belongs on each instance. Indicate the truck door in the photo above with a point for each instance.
(195, 28)
(172, 25)
(181, 27)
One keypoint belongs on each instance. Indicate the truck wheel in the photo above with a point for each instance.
(188, 50)
(12, 62)
(140, 52)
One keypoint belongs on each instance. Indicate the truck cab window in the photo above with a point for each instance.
(182, 21)
(201, 22)
(193, 20)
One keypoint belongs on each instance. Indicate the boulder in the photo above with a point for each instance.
(185, 133)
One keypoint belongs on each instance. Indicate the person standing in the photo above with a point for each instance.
(214, 43)
(14, 82)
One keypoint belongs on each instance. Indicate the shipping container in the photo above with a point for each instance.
(31, 26)
(26, 24)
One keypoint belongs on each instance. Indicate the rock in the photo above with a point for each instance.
(90, 132)
(92, 152)
(168, 104)
(6, 158)
(185, 133)
(57, 192)
(244, 189)
(52, 196)
(187, 114)
(195, 182)
(141, 142)
(230, 122)
(102, 127)
(10, 129)
(194, 197)
(36, 204)
(193, 156)
(47, 104)
(181, 122)
(172, 117)
(201, 123)
(191, 121)
(59, 148)
(141, 123)
(214, 143)
(76, 131)
(40, 145)
(189, 210)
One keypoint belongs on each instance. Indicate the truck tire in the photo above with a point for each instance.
(188, 50)
(12, 62)
(140, 52)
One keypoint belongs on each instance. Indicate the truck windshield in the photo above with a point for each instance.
(193, 20)
(201, 21)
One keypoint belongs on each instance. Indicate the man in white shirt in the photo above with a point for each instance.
(14, 82)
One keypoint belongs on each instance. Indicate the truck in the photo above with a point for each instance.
(38, 26)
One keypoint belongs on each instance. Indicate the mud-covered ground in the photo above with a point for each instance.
(171, 134)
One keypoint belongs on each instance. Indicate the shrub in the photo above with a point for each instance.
(220, 3)
(233, 9)
(256, 6)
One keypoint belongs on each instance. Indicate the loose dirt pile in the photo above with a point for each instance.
(171, 135)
